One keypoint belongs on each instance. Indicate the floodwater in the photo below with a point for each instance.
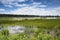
(15, 18)
(18, 29)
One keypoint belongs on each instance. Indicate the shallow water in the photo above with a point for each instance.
(18, 29)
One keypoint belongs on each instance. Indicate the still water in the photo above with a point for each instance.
(18, 29)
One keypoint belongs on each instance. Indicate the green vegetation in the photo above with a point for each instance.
(42, 23)
(41, 32)
(4, 35)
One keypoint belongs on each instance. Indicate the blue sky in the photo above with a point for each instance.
(30, 7)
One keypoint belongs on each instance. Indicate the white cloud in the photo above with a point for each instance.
(21, 0)
(2, 11)
(34, 4)
(8, 3)
(43, 6)
(38, 5)
(9, 6)
(35, 11)
(22, 5)
(29, 9)
(12, 3)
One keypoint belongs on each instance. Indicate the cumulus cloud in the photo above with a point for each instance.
(6, 1)
(21, 0)
(9, 3)
(12, 3)
(35, 11)
(2, 11)
(9, 6)
(22, 5)
(34, 8)
(38, 4)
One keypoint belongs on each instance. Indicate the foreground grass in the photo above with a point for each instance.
(4, 35)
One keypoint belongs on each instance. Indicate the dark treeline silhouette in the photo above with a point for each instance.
(11, 15)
